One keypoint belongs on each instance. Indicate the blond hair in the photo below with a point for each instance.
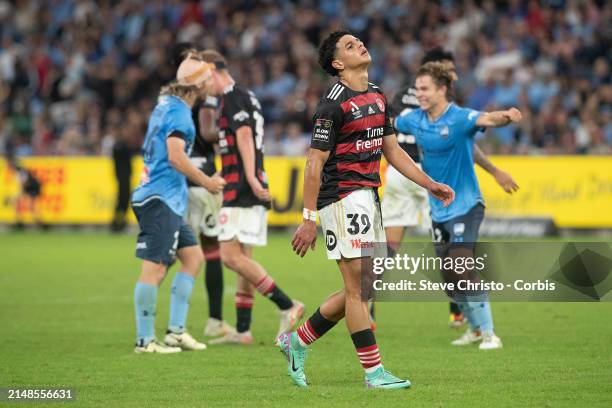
(175, 89)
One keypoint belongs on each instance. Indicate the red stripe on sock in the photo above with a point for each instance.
(369, 356)
(244, 301)
(307, 333)
(265, 285)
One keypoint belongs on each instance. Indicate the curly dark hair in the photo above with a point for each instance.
(437, 54)
(327, 51)
(439, 75)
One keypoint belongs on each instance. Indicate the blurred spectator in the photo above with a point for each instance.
(72, 70)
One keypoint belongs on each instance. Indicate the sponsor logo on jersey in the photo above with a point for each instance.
(241, 116)
(370, 110)
(322, 130)
(370, 144)
(355, 110)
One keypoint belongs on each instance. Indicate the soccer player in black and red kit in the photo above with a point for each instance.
(351, 132)
(203, 209)
(246, 199)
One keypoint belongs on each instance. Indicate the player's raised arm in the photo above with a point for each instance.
(502, 178)
(499, 118)
(246, 147)
(399, 159)
(180, 161)
(306, 235)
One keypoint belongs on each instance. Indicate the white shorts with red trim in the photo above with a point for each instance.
(249, 225)
(352, 226)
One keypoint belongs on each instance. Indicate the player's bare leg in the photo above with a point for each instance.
(238, 258)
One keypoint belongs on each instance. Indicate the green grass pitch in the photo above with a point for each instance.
(66, 316)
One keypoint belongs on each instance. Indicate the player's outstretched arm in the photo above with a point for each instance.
(180, 161)
(499, 118)
(502, 178)
(399, 159)
(246, 148)
(306, 235)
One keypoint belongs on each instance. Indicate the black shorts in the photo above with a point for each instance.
(460, 231)
(162, 233)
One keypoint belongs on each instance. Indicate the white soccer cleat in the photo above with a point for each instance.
(490, 342)
(290, 318)
(156, 347)
(234, 337)
(467, 338)
(215, 328)
(184, 341)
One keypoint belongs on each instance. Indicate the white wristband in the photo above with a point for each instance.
(309, 215)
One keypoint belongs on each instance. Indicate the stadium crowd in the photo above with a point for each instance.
(76, 76)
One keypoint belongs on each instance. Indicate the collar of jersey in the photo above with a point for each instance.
(229, 88)
(180, 99)
(442, 114)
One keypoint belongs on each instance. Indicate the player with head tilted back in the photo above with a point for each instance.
(351, 132)
(203, 210)
(246, 199)
(445, 133)
(405, 205)
(160, 202)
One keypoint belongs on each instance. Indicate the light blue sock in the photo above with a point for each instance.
(182, 285)
(482, 310)
(467, 308)
(145, 302)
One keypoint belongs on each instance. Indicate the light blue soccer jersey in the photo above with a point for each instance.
(447, 145)
(159, 179)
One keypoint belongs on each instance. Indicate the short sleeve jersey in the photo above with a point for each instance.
(447, 145)
(351, 125)
(171, 117)
(240, 107)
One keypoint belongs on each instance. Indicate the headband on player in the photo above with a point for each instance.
(193, 72)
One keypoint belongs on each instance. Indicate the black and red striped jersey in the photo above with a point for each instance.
(239, 107)
(351, 125)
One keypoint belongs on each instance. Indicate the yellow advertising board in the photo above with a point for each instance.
(575, 191)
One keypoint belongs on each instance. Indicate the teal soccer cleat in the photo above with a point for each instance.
(385, 380)
(295, 355)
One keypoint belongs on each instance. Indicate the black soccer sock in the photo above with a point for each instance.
(244, 308)
(267, 287)
(214, 288)
(313, 328)
(454, 308)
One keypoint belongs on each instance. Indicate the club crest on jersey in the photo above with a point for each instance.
(381, 104)
(444, 132)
